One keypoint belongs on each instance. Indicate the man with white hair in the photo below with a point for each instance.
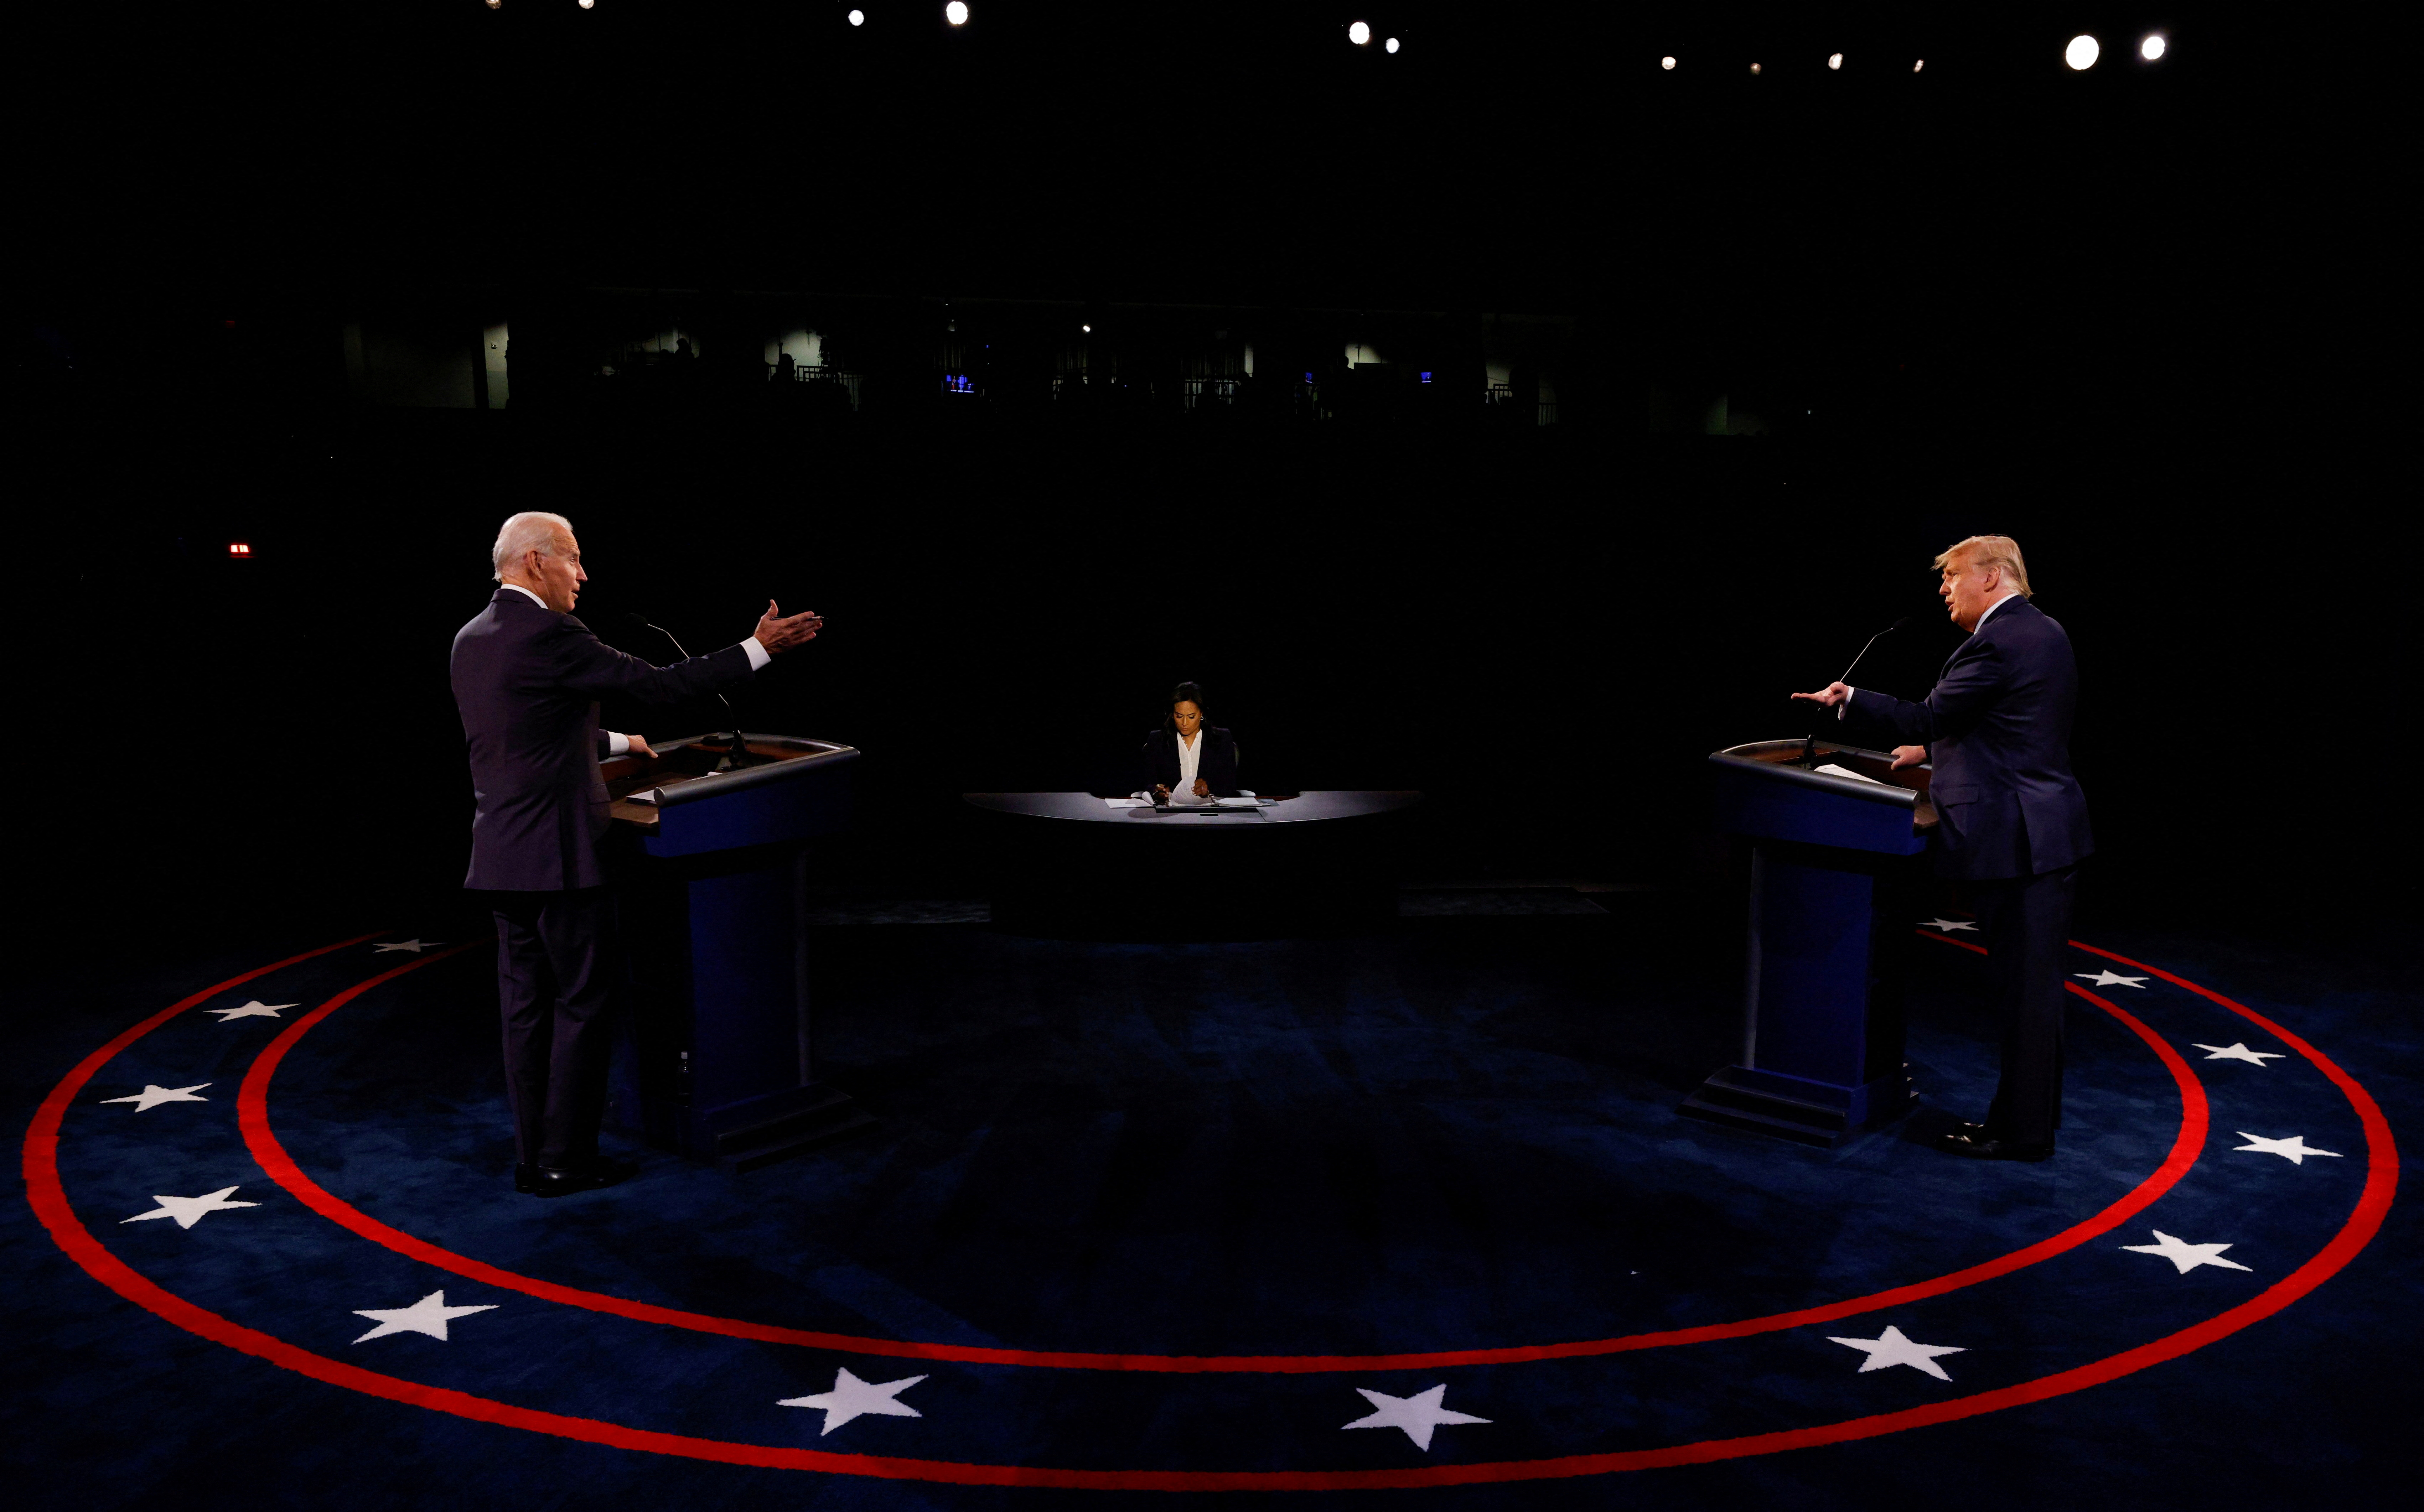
(527, 680)
(2012, 822)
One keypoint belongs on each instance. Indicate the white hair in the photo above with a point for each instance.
(533, 530)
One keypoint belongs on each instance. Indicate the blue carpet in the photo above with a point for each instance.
(1456, 1137)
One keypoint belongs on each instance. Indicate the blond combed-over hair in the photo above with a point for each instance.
(1989, 552)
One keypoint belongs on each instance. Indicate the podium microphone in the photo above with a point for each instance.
(1810, 745)
(1902, 624)
(736, 759)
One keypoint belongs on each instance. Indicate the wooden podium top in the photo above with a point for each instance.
(1875, 766)
(683, 772)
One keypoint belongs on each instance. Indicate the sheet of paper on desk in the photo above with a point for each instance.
(646, 795)
(1128, 802)
(1235, 803)
(1833, 770)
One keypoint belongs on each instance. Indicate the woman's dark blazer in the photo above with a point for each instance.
(1217, 765)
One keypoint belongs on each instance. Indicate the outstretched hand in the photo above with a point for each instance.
(778, 634)
(1828, 696)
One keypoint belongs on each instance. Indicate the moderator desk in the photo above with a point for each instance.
(1070, 863)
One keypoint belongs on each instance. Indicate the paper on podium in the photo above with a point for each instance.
(1128, 802)
(1833, 770)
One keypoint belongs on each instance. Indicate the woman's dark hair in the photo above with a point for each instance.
(1185, 692)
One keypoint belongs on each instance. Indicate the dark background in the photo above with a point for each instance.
(2128, 316)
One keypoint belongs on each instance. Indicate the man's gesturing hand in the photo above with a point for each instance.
(778, 634)
(1907, 755)
(1833, 693)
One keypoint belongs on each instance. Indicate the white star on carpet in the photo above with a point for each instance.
(429, 1315)
(2113, 978)
(854, 1398)
(2183, 1255)
(1949, 924)
(2295, 1149)
(1417, 1415)
(1892, 1347)
(155, 1096)
(188, 1211)
(2239, 1052)
(416, 946)
(256, 1008)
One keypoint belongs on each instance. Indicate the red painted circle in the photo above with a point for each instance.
(48, 1198)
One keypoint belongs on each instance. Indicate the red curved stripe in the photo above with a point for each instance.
(2364, 1221)
(252, 1112)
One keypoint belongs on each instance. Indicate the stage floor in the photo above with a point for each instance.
(1144, 1220)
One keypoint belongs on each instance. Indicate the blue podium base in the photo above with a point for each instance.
(1821, 1114)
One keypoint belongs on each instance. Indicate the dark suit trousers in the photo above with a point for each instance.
(559, 964)
(2026, 924)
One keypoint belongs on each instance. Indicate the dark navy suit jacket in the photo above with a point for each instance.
(527, 682)
(1997, 728)
(1217, 764)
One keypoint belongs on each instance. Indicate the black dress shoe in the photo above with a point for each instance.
(1971, 1139)
(547, 1181)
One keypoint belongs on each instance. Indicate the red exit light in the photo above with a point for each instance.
(239, 548)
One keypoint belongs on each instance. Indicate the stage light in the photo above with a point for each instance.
(1754, 68)
(588, 4)
(1088, 329)
(858, 18)
(1666, 63)
(238, 548)
(2082, 54)
(1918, 64)
(2153, 47)
(1834, 60)
(1390, 44)
(956, 12)
(1358, 33)
(494, 4)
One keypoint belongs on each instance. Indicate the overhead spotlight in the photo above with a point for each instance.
(1666, 63)
(1918, 64)
(858, 18)
(588, 4)
(494, 4)
(1088, 329)
(1754, 68)
(2082, 54)
(1834, 60)
(1390, 45)
(956, 12)
(1358, 33)
(2153, 47)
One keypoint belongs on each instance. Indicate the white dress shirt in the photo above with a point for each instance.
(620, 745)
(1189, 753)
(1988, 613)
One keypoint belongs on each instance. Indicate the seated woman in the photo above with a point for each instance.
(1187, 757)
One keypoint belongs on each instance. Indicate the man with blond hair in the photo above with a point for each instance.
(527, 680)
(2012, 823)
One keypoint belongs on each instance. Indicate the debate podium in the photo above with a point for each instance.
(1836, 873)
(712, 873)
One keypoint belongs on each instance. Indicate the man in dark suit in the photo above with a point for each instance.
(527, 680)
(2012, 822)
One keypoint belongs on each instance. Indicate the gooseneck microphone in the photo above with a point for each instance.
(1809, 758)
(734, 758)
(1902, 624)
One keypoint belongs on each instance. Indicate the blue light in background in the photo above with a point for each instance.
(1426, 377)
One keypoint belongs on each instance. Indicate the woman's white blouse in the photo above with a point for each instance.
(1189, 752)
